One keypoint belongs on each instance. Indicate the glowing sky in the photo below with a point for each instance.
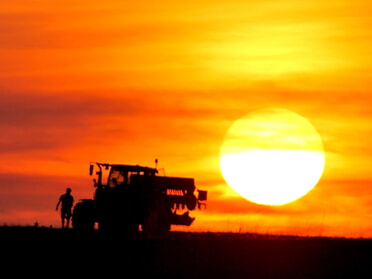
(128, 82)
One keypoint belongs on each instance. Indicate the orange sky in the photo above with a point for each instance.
(119, 82)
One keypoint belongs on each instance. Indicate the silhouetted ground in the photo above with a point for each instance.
(56, 253)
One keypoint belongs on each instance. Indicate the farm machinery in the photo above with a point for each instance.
(135, 197)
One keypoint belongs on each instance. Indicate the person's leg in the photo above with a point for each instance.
(63, 217)
(68, 221)
(68, 217)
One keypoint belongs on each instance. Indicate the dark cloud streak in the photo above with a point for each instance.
(32, 121)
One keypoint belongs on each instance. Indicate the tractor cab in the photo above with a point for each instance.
(118, 175)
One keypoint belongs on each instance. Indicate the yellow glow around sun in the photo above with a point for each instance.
(272, 156)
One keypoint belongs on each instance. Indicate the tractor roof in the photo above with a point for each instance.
(134, 168)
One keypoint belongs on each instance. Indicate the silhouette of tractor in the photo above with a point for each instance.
(137, 197)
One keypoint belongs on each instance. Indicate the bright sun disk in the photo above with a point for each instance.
(272, 156)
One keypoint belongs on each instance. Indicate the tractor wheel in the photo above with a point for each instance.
(83, 216)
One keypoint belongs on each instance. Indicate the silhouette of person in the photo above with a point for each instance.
(66, 200)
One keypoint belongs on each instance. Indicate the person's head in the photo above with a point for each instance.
(68, 190)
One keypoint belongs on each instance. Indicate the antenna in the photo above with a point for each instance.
(156, 166)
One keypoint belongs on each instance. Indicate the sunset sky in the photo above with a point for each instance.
(128, 82)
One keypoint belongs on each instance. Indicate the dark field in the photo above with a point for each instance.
(54, 253)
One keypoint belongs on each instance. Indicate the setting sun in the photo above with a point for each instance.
(272, 156)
